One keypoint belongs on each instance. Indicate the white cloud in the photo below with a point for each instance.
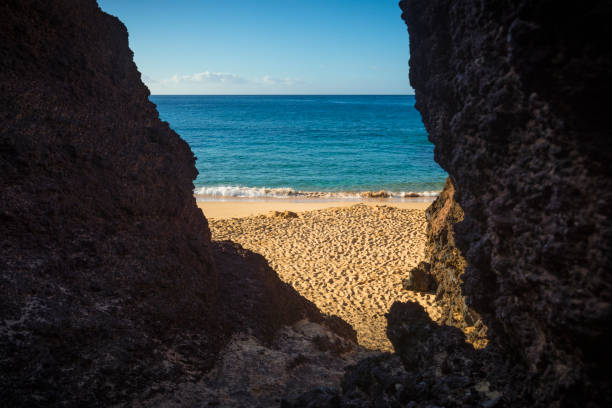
(268, 80)
(206, 77)
(207, 82)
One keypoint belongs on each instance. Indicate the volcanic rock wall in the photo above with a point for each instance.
(110, 288)
(514, 96)
(105, 262)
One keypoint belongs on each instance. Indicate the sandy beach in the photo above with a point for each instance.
(247, 208)
(349, 259)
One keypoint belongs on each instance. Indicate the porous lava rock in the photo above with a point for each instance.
(445, 265)
(108, 286)
(105, 265)
(433, 366)
(514, 95)
(420, 279)
(281, 345)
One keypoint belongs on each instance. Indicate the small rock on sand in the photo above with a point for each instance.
(283, 214)
(411, 194)
(375, 194)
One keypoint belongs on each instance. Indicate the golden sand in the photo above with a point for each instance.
(348, 260)
(245, 208)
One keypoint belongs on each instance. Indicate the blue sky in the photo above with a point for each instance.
(267, 46)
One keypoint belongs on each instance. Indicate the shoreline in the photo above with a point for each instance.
(240, 208)
(242, 192)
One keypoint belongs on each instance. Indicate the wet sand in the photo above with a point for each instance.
(348, 260)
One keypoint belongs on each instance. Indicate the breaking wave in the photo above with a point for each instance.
(286, 192)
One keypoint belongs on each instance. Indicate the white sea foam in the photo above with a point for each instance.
(247, 192)
(405, 194)
(286, 192)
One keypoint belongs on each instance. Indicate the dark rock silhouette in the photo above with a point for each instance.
(514, 96)
(105, 258)
(108, 284)
(433, 366)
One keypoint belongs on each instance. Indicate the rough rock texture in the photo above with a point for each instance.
(108, 284)
(251, 373)
(445, 265)
(434, 366)
(514, 96)
(105, 264)
(419, 279)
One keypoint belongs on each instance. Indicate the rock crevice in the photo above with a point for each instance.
(444, 266)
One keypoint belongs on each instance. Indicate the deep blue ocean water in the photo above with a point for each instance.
(279, 145)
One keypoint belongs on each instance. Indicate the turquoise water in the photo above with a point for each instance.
(249, 146)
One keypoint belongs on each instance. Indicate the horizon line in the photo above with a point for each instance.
(299, 94)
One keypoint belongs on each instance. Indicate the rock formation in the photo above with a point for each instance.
(514, 95)
(109, 289)
(281, 344)
(433, 366)
(444, 266)
(105, 258)
(252, 373)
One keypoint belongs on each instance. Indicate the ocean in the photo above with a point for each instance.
(304, 146)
